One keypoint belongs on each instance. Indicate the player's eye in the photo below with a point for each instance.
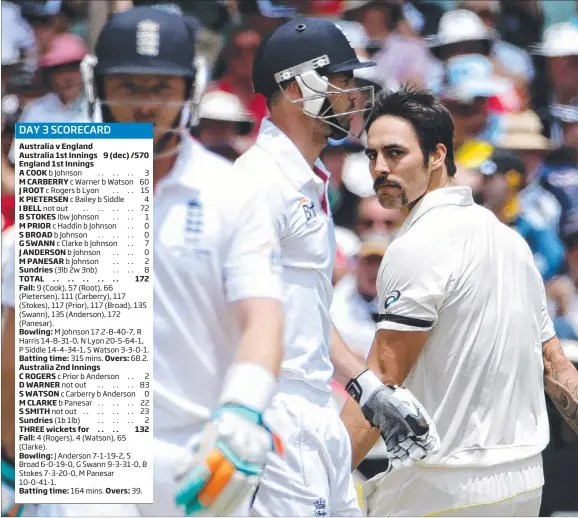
(369, 153)
(394, 153)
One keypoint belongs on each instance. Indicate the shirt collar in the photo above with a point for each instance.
(286, 154)
(439, 198)
(187, 162)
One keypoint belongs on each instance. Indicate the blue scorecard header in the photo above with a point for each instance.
(81, 130)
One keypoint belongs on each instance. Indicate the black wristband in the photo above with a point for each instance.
(353, 388)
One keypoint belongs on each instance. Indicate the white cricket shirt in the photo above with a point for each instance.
(297, 197)
(214, 244)
(458, 272)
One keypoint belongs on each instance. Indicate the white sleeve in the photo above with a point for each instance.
(411, 288)
(253, 267)
(546, 324)
(8, 277)
(24, 117)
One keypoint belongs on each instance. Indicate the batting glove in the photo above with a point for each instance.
(9, 507)
(407, 430)
(230, 459)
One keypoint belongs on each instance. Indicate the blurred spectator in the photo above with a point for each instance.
(378, 19)
(223, 124)
(18, 42)
(237, 78)
(60, 68)
(559, 176)
(354, 311)
(560, 50)
(503, 178)
(372, 218)
(566, 115)
(354, 308)
(523, 135)
(521, 22)
(341, 199)
(509, 60)
(468, 85)
(461, 33)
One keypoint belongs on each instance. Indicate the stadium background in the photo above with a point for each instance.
(506, 69)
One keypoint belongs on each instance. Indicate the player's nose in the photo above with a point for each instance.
(381, 165)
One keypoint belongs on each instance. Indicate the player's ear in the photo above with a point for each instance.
(438, 157)
(293, 90)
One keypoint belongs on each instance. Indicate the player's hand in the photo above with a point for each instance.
(228, 464)
(9, 507)
(407, 430)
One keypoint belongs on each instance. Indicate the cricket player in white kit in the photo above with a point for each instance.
(463, 326)
(217, 283)
(305, 70)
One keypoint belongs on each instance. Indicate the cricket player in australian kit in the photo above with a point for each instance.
(463, 333)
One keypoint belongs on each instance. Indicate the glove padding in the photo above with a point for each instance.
(407, 429)
(9, 507)
(226, 468)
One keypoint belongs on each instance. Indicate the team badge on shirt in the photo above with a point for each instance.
(308, 208)
(392, 296)
(320, 507)
(194, 218)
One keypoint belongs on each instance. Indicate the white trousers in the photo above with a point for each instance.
(314, 476)
(513, 489)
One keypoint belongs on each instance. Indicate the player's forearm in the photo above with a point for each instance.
(252, 379)
(561, 382)
(8, 383)
(262, 335)
(347, 364)
(363, 436)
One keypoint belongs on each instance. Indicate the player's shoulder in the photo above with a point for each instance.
(214, 164)
(213, 175)
(257, 164)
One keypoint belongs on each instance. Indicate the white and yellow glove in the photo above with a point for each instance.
(231, 455)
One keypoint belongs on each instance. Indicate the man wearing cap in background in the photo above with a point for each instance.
(468, 85)
(305, 71)
(560, 49)
(60, 67)
(223, 124)
(509, 60)
(462, 33)
(217, 311)
(523, 135)
(559, 174)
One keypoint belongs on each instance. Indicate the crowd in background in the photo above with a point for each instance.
(506, 73)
